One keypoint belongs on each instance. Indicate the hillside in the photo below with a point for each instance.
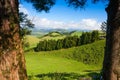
(76, 33)
(52, 36)
(77, 62)
(89, 54)
(55, 35)
(32, 40)
(67, 41)
(42, 32)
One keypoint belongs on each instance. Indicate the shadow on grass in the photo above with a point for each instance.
(94, 74)
(66, 76)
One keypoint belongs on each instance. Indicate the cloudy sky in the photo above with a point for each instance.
(64, 17)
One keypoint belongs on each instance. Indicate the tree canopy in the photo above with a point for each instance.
(45, 5)
(42, 5)
(25, 24)
(104, 26)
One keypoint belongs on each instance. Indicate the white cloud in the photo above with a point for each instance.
(23, 9)
(84, 24)
(89, 24)
(45, 23)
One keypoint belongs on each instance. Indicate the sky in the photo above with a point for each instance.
(63, 17)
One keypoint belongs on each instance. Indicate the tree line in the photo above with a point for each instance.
(68, 42)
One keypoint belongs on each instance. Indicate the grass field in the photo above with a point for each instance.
(61, 64)
(49, 64)
(41, 64)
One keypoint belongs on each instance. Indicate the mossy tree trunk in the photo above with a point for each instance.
(12, 61)
(111, 65)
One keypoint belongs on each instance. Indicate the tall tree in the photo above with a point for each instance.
(25, 28)
(111, 66)
(12, 61)
(94, 35)
(25, 24)
(104, 26)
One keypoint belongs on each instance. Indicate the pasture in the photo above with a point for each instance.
(65, 64)
(46, 65)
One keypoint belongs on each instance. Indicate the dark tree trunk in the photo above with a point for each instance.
(12, 62)
(111, 65)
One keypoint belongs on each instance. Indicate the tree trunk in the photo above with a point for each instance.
(111, 65)
(12, 62)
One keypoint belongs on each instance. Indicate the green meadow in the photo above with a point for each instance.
(41, 63)
(64, 65)
(74, 63)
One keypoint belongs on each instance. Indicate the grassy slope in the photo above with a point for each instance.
(76, 33)
(57, 61)
(53, 36)
(33, 40)
(59, 36)
(96, 48)
(41, 63)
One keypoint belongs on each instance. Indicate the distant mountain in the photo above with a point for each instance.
(44, 31)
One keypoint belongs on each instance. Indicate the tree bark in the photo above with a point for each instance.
(12, 61)
(111, 64)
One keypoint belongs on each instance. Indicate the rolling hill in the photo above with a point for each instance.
(53, 35)
(76, 33)
(32, 41)
(60, 63)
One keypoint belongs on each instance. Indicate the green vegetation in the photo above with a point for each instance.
(59, 35)
(67, 42)
(84, 61)
(76, 33)
(90, 53)
(40, 63)
(31, 41)
(25, 24)
(66, 64)
(52, 36)
(48, 45)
